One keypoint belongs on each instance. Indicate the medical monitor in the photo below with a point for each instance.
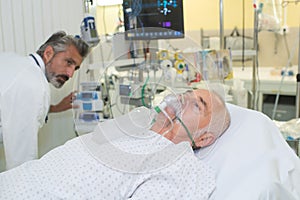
(153, 19)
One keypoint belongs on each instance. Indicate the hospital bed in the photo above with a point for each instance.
(251, 161)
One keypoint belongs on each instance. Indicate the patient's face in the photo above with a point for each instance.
(196, 114)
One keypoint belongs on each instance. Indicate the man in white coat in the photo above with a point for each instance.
(25, 92)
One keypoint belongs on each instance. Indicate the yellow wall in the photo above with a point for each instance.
(205, 14)
(202, 14)
(107, 18)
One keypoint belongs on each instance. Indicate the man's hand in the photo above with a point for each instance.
(64, 104)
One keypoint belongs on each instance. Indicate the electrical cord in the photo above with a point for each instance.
(104, 23)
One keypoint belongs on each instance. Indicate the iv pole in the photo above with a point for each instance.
(221, 25)
(298, 81)
(284, 4)
(255, 64)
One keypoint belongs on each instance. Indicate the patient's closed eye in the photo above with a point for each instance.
(195, 104)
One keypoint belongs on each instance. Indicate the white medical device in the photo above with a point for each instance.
(88, 27)
(88, 30)
(89, 106)
(89, 117)
(89, 101)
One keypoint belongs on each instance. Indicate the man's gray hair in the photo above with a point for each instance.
(220, 118)
(60, 41)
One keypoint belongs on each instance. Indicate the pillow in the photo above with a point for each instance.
(252, 160)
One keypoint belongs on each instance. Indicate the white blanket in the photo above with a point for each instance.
(72, 172)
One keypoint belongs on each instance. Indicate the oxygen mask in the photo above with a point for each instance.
(173, 105)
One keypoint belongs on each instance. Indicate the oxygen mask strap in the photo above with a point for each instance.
(188, 132)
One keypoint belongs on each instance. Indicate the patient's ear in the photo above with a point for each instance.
(205, 139)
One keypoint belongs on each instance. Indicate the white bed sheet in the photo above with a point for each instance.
(252, 160)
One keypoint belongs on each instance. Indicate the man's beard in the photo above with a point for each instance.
(57, 80)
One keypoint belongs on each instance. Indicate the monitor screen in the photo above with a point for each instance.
(153, 19)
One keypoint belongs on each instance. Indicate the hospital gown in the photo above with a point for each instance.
(72, 171)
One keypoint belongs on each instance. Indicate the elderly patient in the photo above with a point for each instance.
(129, 157)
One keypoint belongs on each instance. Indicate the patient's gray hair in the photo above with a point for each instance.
(60, 41)
(220, 117)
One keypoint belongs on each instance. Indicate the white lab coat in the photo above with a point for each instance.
(24, 103)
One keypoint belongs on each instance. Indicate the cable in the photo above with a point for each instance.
(287, 47)
(143, 92)
(104, 22)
